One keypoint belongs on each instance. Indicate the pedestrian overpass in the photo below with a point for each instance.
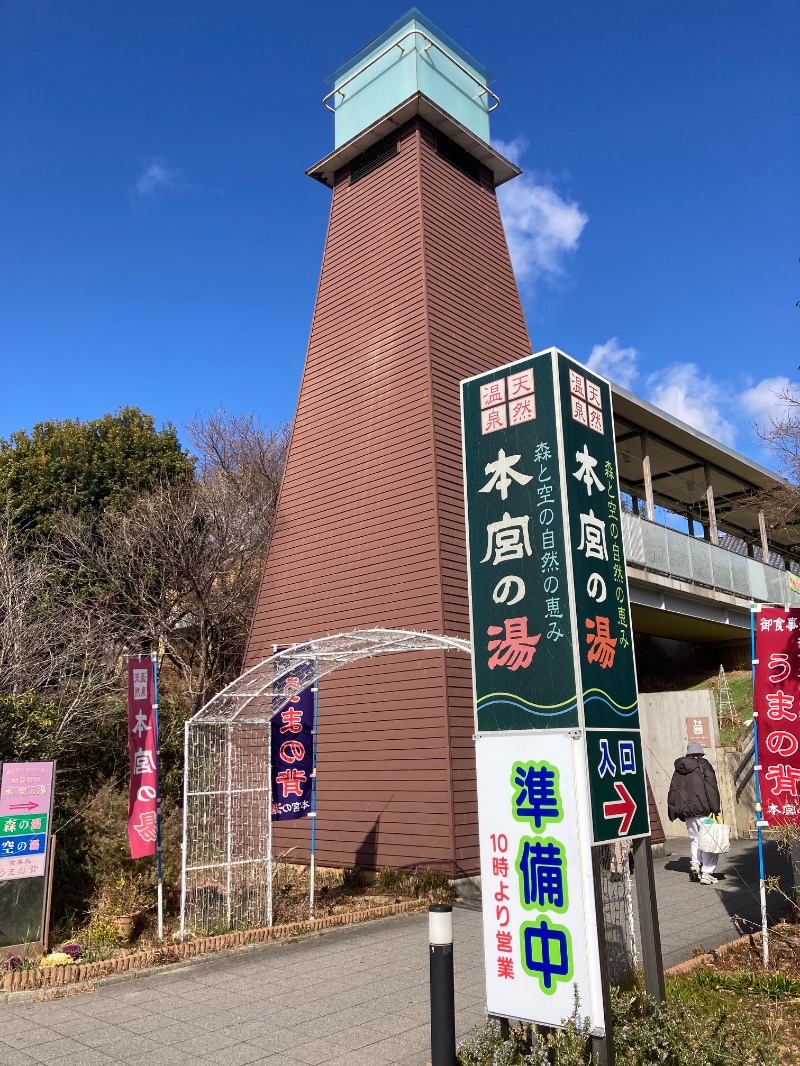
(697, 543)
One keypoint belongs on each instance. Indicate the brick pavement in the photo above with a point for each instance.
(355, 996)
(703, 916)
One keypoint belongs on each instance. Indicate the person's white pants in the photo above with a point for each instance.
(705, 860)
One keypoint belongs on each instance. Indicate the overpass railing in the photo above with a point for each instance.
(667, 551)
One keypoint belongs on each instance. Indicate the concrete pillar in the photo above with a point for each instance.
(635, 505)
(750, 551)
(762, 526)
(690, 522)
(648, 477)
(712, 514)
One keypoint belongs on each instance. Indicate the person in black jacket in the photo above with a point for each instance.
(693, 795)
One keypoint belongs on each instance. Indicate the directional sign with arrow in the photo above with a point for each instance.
(617, 783)
(624, 808)
(26, 786)
(26, 796)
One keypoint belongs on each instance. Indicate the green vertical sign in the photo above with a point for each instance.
(605, 647)
(520, 600)
(598, 561)
(551, 627)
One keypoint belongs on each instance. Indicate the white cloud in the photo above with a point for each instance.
(693, 398)
(719, 411)
(542, 228)
(157, 179)
(763, 401)
(513, 150)
(615, 363)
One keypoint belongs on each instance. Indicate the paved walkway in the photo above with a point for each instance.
(351, 997)
(700, 916)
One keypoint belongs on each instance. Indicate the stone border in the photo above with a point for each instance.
(60, 976)
(684, 968)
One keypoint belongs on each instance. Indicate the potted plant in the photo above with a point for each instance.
(122, 902)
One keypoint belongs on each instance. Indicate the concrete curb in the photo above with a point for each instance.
(684, 968)
(29, 984)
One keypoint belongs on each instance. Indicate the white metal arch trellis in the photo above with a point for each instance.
(227, 828)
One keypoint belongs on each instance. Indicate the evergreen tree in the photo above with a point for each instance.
(85, 467)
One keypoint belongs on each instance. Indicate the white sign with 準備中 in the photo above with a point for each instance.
(539, 926)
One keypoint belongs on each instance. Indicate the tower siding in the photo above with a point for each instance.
(416, 292)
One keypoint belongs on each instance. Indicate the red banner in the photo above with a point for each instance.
(142, 744)
(777, 704)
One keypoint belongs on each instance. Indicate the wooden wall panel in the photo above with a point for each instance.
(416, 292)
(476, 322)
(383, 791)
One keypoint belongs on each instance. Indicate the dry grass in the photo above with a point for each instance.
(337, 891)
(768, 998)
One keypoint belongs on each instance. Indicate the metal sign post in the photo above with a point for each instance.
(552, 658)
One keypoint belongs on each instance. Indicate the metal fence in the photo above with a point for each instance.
(668, 551)
(616, 888)
(226, 880)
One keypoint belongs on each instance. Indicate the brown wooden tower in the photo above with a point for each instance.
(416, 292)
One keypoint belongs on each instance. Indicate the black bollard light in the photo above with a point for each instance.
(443, 1006)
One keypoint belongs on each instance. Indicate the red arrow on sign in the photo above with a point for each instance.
(624, 808)
(29, 806)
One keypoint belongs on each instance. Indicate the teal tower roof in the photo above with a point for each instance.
(412, 56)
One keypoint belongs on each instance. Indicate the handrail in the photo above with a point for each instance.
(746, 759)
(485, 90)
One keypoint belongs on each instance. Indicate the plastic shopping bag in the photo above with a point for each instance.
(714, 836)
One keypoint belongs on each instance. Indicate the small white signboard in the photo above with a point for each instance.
(539, 925)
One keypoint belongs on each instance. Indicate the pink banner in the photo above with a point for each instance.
(777, 705)
(142, 741)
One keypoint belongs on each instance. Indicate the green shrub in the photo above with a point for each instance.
(686, 1031)
(485, 1043)
(99, 939)
(745, 982)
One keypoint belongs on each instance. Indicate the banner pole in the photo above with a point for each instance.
(229, 827)
(269, 823)
(159, 864)
(51, 865)
(314, 789)
(759, 821)
(185, 826)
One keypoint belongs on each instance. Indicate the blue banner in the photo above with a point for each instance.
(293, 748)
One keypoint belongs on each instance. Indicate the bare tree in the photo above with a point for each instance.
(57, 656)
(781, 435)
(179, 570)
(239, 450)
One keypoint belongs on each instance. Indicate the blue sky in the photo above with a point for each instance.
(160, 244)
